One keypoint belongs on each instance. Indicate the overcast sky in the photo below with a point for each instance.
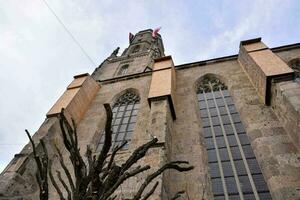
(38, 58)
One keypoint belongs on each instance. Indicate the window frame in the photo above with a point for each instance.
(226, 149)
(125, 115)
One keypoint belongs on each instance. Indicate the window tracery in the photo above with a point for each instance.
(210, 83)
(234, 171)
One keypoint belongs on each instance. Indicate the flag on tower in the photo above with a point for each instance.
(131, 36)
(155, 32)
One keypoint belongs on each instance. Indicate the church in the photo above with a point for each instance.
(236, 119)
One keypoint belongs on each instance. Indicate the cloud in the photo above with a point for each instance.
(251, 20)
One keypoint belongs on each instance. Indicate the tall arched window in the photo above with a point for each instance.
(124, 118)
(234, 171)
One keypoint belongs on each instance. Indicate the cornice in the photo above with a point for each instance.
(121, 58)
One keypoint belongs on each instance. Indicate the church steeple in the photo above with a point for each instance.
(144, 42)
(143, 48)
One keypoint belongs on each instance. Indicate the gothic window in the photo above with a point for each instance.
(136, 49)
(124, 118)
(234, 171)
(123, 70)
(295, 65)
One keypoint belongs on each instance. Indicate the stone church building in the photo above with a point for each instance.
(236, 119)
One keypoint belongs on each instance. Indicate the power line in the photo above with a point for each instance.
(70, 34)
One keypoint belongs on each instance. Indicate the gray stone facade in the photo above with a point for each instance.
(273, 130)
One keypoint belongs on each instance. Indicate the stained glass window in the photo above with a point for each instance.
(234, 171)
(124, 118)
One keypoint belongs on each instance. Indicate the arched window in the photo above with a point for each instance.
(295, 65)
(234, 171)
(136, 49)
(124, 118)
(123, 70)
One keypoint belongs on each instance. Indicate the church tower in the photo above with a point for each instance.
(138, 57)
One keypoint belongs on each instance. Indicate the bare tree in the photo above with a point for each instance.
(42, 168)
(100, 177)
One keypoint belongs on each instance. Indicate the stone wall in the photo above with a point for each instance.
(161, 127)
(274, 150)
(76, 99)
(287, 54)
(137, 63)
(261, 65)
(286, 98)
(286, 104)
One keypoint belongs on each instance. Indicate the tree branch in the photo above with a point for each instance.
(67, 172)
(42, 167)
(64, 184)
(112, 157)
(78, 164)
(177, 195)
(54, 182)
(107, 139)
(151, 191)
(171, 165)
(139, 153)
(89, 157)
(121, 179)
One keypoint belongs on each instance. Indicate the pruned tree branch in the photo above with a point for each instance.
(151, 191)
(115, 151)
(60, 194)
(89, 156)
(171, 165)
(139, 153)
(121, 179)
(107, 139)
(67, 172)
(96, 183)
(177, 195)
(64, 184)
(42, 167)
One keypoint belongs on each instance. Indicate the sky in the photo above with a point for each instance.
(38, 58)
